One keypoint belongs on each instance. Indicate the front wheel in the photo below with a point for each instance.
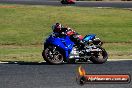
(100, 56)
(52, 55)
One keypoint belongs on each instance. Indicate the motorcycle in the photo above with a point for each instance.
(63, 48)
(68, 1)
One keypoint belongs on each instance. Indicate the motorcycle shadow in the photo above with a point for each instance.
(40, 63)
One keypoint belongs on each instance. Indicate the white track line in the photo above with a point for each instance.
(4, 62)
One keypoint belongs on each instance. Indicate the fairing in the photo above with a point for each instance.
(89, 37)
(63, 43)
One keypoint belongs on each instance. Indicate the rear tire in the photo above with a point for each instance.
(52, 55)
(100, 58)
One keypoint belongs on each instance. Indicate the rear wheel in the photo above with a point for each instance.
(99, 57)
(52, 55)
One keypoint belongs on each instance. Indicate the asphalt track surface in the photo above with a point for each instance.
(117, 4)
(43, 75)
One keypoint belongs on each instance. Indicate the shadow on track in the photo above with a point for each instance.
(45, 63)
(39, 63)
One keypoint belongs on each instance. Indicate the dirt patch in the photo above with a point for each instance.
(7, 6)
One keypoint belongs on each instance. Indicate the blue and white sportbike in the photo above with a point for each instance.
(64, 48)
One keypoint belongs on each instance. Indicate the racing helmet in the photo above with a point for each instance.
(57, 27)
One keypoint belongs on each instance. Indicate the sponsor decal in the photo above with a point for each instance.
(83, 78)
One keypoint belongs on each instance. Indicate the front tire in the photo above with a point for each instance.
(99, 57)
(52, 55)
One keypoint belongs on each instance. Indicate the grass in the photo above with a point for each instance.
(119, 50)
(32, 53)
(20, 53)
(24, 27)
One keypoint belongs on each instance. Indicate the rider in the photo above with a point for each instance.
(58, 28)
